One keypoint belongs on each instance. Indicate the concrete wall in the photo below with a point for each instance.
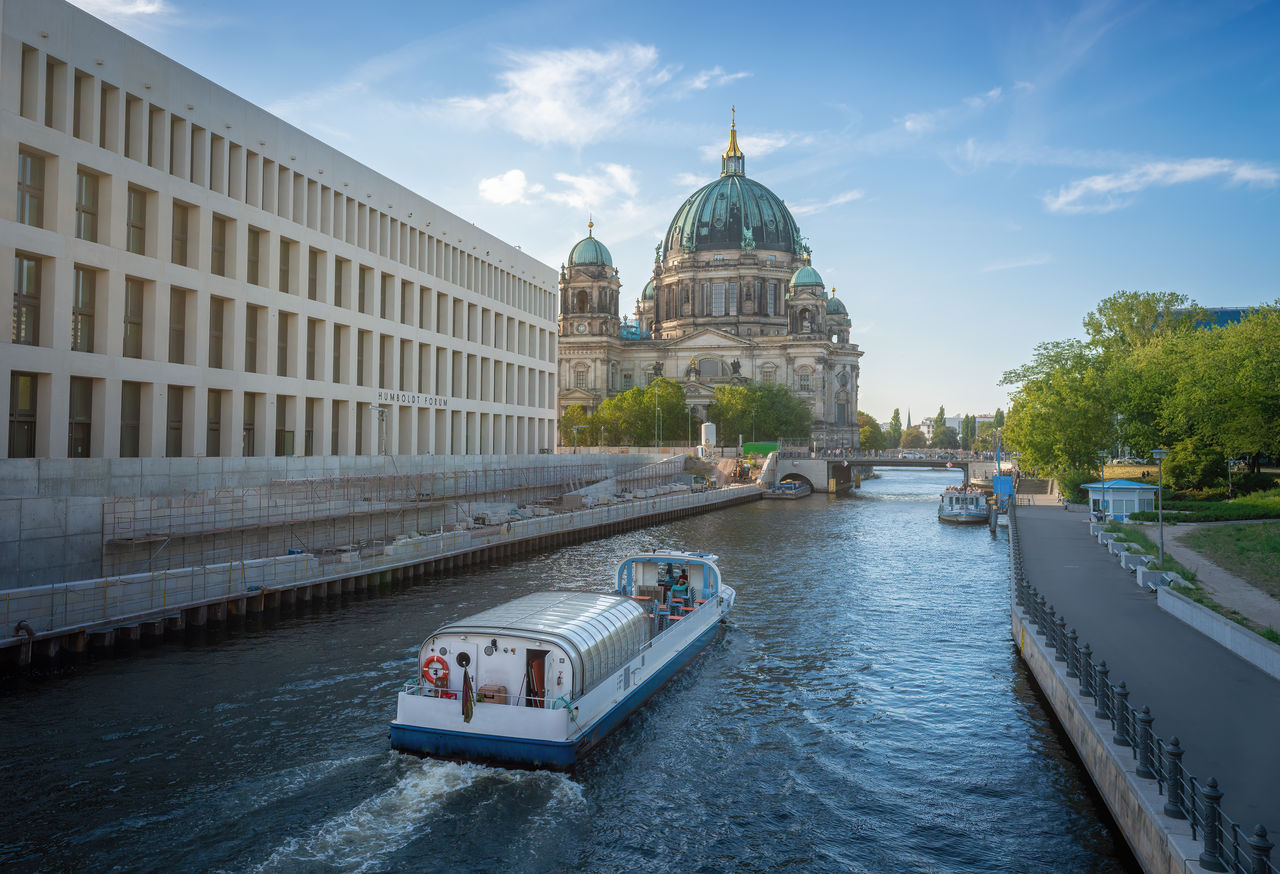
(1161, 845)
(1251, 647)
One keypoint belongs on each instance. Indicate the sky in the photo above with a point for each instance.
(973, 178)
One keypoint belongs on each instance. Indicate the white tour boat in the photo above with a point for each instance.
(964, 506)
(539, 680)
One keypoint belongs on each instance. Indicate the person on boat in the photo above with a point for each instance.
(681, 587)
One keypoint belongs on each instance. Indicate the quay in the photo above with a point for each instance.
(43, 623)
(1176, 731)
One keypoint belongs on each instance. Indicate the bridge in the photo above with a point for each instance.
(836, 470)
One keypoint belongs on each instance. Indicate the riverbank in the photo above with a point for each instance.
(52, 623)
(1114, 645)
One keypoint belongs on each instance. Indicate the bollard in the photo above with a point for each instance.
(1060, 633)
(1145, 742)
(1120, 715)
(1101, 689)
(1086, 672)
(1173, 777)
(1212, 797)
(1260, 850)
(1073, 655)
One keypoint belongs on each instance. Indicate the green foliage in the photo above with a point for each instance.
(913, 438)
(968, 431)
(945, 438)
(999, 418)
(894, 437)
(1192, 465)
(984, 439)
(777, 412)
(870, 436)
(575, 415)
(641, 416)
(1069, 483)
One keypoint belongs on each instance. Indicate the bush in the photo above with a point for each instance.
(1069, 484)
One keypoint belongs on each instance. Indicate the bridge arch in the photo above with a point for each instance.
(794, 477)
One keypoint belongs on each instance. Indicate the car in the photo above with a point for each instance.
(910, 454)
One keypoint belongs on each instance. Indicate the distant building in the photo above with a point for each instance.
(195, 277)
(732, 297)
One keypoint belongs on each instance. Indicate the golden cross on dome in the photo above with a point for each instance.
(733, 116)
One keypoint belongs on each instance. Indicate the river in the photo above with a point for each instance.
(862, 710)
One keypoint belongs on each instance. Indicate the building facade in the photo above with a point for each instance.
(193, 276)
(733, 296)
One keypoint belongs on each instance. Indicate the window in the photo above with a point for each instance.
(26, 300)
(313, 340)
(313, 274)
(282, 345)
(82, 307)
(717, 298)
(133, 311)
(218, 253)
(769, 376)
(177, 326)
(339, 272)
(580, 378)
(213, 427)
(80, 417)
(248, 436)
(30, 189)
(251, 338)
(626, 380)
(286, 255)
(804, 380)
(173, 426)
(87, 206)
(772, 300)
(181, 222)
(339, 343)
(253, 274)
(136, 222)
(22, 415)
(130, 418)
(217, 317)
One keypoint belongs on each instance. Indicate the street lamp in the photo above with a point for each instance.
(576, 429)
(691, 426)
(1102, 459)
(753, 424)
(1158, 455)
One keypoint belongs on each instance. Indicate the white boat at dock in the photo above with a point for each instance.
(963, 505)
(538, 681)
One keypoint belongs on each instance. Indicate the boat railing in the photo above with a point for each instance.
(422, 690)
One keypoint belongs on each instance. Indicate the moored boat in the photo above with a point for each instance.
(788, 490)
(538, 681)
(963, 506)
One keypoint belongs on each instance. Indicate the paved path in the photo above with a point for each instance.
(1225, 711)
(1224, 587)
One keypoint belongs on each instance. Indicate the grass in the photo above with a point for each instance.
(1191, 588)
(1259, 505)
(1251, 552)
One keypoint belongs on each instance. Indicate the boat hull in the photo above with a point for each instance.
(965, 519)
(539, 752)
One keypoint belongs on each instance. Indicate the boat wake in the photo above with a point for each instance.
(364, 838)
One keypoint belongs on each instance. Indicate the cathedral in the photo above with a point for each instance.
(733, 297)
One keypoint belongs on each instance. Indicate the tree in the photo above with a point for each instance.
(913, 438)
(645, 416)
(1129, 319)
(945, 438)
(870, 436)
(777, 412)
(940, 419)
(1193, 465)
(999, 418)
(575, 415)
(894, 437)
(984, 439)
(968, 430)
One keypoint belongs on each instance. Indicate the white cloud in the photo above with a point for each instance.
(811, 208)
(597, 190)
(689, 180)
(713, 78)
(1030, 261)
(574, 97)
(507, 188)
(116, 9)
(919, 123)
(1107, 192)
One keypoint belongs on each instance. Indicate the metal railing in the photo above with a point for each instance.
(1226, 845)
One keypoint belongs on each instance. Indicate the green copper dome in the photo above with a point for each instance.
(647, 293)
(733, 212)
(806, 277)
(835, 307)
(590, 252)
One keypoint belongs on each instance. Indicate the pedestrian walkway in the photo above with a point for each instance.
(1224, 710)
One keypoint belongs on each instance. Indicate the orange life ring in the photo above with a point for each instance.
(440, 677)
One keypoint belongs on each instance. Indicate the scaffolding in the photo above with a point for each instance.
(324, 517)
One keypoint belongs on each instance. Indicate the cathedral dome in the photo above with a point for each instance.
(590, 252)
(647, 292)
(806, 277)
(733, 212)
(835, 307)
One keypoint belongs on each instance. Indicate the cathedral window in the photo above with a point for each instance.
(803, 377)
(772, 300)
(582, 302)
(717, 298)
(768, 376)
(580, 378)
(733, 298)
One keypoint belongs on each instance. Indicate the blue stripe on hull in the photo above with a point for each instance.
(538, 753)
